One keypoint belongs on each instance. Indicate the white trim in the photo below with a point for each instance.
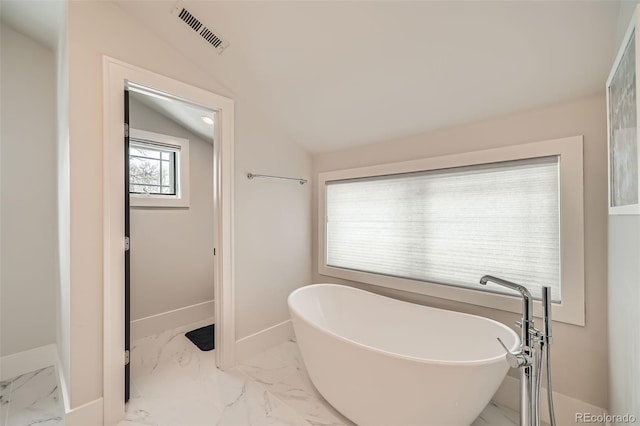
(249, 346)
(635, 208)
(62, 383)
(566, 407)
(116, 75)
(179, 145)
(156, 324)
(89, 414)
(27, 361)
(571, 310)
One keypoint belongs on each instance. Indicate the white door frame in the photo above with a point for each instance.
(116, 74)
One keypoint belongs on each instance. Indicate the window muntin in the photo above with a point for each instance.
(162, 180)
(152, 168)
(451, 226)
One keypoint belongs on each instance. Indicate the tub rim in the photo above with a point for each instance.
(484, 361)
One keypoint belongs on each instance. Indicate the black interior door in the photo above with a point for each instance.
(127, 256)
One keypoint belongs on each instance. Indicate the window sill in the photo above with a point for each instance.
(151, 201)
(560, 312)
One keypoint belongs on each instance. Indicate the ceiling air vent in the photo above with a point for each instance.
(213, 38)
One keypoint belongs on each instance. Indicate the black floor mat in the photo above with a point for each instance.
(202, 337)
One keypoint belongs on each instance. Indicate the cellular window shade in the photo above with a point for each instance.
(451, 226)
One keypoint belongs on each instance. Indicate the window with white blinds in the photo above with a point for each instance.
(451, 226)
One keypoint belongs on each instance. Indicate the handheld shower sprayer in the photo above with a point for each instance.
(545, 349)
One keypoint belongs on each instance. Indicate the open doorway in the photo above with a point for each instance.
(169, 223)
(119, 76)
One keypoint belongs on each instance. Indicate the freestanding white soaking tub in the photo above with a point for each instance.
(381, 361)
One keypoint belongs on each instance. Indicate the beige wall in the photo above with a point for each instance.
(272, 246)
(172, 249)
(624, 314)
(272, 228)
(29, 258)
(627, 7)
(579, 353)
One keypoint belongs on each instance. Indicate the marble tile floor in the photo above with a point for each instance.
(31, 399)
(174, 383)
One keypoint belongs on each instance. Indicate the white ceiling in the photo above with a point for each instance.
(335, 74)
(43, 20)
(339, 74)
(40, 19)
(183, 114)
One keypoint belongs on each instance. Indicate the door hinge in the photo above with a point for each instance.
(127, 243)
(126, 357)
(214, 251)
(126, 130)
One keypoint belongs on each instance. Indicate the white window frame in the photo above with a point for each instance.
(181, 198)
(569, 150)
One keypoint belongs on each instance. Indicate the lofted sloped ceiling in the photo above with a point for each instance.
(185, 115)
(42, 20)
(336, 74)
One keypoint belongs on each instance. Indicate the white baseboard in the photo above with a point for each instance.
(156, 324)
(565, 406)
(62, 382)
(27, 361)
(89, 414)
(258, 342)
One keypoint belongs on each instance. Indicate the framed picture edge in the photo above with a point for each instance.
(631, 209)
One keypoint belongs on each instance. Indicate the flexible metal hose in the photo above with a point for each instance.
(537, 383)
(547, 361)
(545, 348)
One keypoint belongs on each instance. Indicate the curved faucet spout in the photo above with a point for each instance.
(513, 286)
(527, 305)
